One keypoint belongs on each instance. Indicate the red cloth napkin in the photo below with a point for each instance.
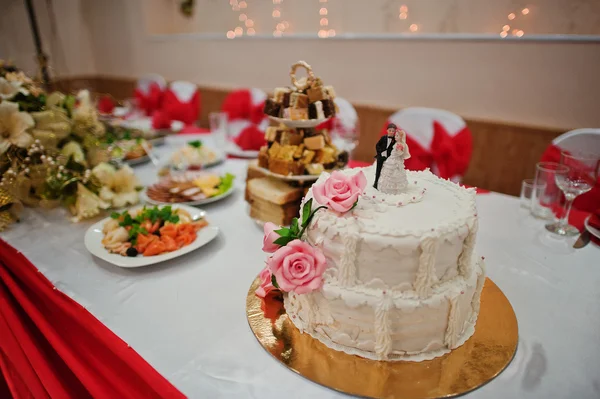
(589, 201)
(194, 130)
(251, 139)
(595, 219)
(51, 347)
(577, 218)
(106, 105)
(160, 120)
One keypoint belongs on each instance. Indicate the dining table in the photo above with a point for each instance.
(187, 316)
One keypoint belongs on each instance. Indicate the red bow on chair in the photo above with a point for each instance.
(178, 110)
(238, 105)
(151, 101)
(450, 155)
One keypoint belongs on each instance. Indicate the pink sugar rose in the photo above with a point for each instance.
(340, 191)
(269, 237)
(265, 283)
(298, 267)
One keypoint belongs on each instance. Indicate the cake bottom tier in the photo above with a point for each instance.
(382, 325)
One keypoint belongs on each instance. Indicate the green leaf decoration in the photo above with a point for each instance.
(195, 143)
(274, 281)
(306, 212)
(353, 206)
(283, 232)
(310, 217)
(283, 241)
(294, 229)
(115, 215)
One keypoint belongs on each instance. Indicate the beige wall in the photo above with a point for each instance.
(532, 83)
(68, 46)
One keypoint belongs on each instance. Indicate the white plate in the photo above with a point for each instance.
(145, 125)
(137, 161)
(93, 243)
(232, 149)
(205, 201)
(307, 123)
(219, 159)
(594, 231)
(289, 177)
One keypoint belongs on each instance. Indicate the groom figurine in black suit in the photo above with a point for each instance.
(384, 149)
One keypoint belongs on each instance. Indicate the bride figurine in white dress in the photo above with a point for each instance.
(393, 175)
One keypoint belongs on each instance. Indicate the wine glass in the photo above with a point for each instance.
(581, 176)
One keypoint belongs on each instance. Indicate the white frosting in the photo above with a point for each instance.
(390, 229)
(401, 282)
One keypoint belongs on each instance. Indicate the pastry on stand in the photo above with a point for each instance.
(297, 149)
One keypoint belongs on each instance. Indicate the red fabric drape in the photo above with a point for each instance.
(587, 202)
(176, 110)
(51, 347)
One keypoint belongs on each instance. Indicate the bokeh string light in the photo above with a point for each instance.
(514, 17)
(282, 26)
(237, 6)
(324, 22)
(403, 12)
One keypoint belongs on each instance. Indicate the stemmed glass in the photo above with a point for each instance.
(580, 177)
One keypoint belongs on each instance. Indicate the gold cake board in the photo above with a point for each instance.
(478, 361)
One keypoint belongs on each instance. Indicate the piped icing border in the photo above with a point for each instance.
(455, 335)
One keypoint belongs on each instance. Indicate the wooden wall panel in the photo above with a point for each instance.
(503, 154)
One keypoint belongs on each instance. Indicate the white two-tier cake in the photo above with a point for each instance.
(402, 280)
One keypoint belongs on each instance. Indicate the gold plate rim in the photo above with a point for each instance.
(481, 359)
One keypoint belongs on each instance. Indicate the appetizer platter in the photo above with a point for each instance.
(195, 155)
(190, 188)
(133, 151)
(143, 236)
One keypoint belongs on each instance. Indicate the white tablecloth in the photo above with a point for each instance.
(186, 317)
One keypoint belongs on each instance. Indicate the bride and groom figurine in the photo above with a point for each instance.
(390, 175)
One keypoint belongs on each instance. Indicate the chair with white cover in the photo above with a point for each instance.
(181, 102)
(438, 139)
(579, 141)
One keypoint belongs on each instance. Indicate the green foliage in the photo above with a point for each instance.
(226, 183)
(296, 229)
(195, 143)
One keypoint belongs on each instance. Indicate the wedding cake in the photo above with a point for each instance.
(401, 280)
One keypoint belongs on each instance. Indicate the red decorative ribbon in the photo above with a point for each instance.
(251, 139)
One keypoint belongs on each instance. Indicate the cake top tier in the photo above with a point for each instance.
(429, 206)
